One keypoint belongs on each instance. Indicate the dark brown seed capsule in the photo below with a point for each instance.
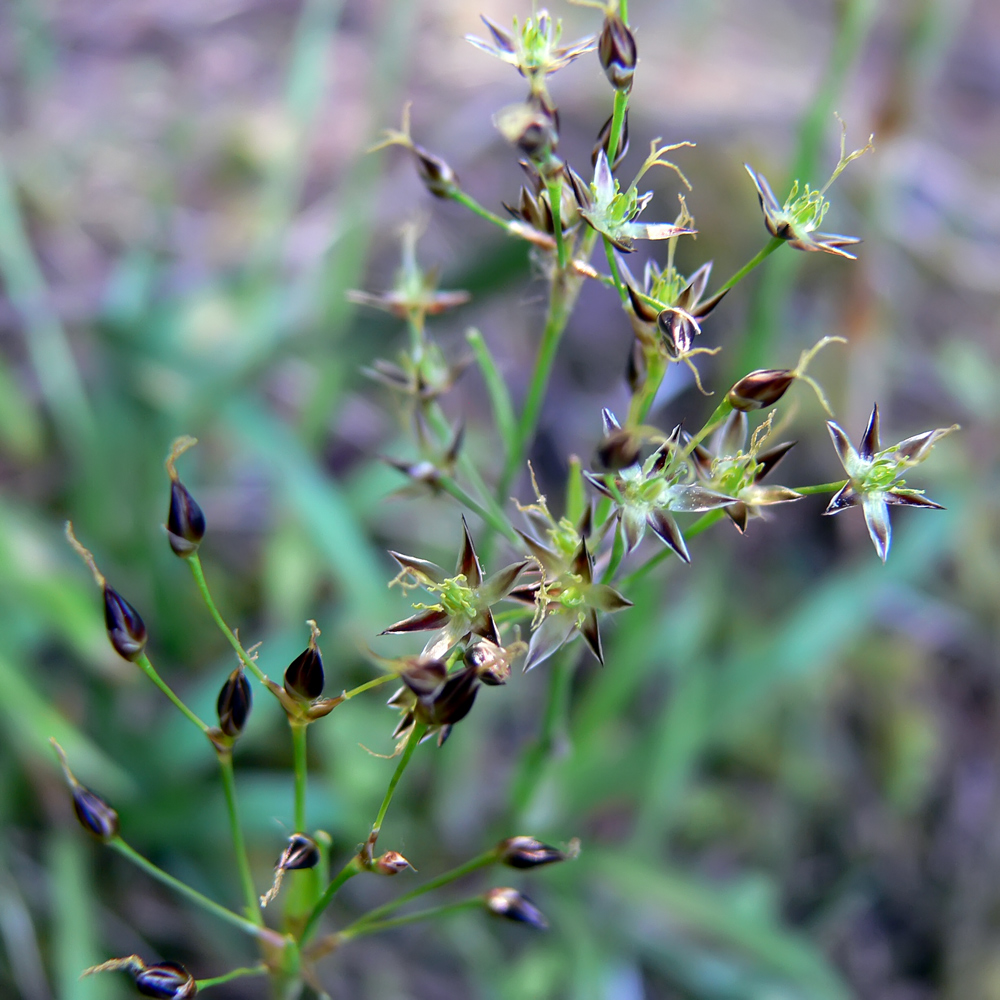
(511, 905)
(167, 980)
(618, 449)
(453, 702)
(437, 176)
(304, 677)
(490, 661)
(527, 852)
(185, 521)
(126, 629)
(234, 704)
(94, 814)
(617, 52)
(390, 863)
(301, 852)
(760, 388)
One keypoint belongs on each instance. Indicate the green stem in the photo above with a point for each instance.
(239, 844)
(248, 926)
(561, 300)
(300, 764)
(358, 929)
(481, 861)
(199, 578)
(489, 517)
(618, 114)
(642, 401)
(347, 872)
(533, 762)
(702, 524)
(617, 553)
(484, 213)
(758, 258)
(613, 264)
(554, 188)
(150, 671)
(248, 970)
(821, 488)
(721, 412)
(367, 686)
(411, 744)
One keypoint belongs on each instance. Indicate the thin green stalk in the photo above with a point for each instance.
(533, 762)
(613, 264)
(248, 926)
(480, 861)
(484, 213)
(150, 671)
(756, 259)
(554, 189)
(347, 872)
(617, 554)
(239, 844)
(411, 744)
(367, 686)
(718, 416)
(248, 970)
(299, 758)
(618, 114)
(821, 488)
(358, 929)
(561, 302)
(489, 517)
(642, 401)
(702, 524)
(199, 578)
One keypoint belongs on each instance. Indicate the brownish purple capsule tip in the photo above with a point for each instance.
(94, 814)
(760, 388)
(527, 852)
(234, 704)
(512, 905)
(304, 677)
(166, 980)
(617, 52)
(185, 521)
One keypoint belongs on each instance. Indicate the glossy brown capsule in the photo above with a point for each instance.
(166, 980)
(512, 905)
(234, 704)
(527, 852)
(185, 521)
(304, 677)
(126, 629)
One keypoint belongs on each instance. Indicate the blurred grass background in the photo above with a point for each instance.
(785, 779)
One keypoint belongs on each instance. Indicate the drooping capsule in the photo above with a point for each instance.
(301, 852)
(94, 814)
(166, 980)
(512, 905)
(527, 852)
(235, 702)
(185, 520)
(760, 388)
(126, 629)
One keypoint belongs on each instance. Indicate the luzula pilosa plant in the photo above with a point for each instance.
(565, 575)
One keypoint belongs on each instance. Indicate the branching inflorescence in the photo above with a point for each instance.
(567, 573)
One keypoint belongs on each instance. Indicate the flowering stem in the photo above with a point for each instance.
(721, 412)
(642, 401)
(617, 553)
(360, 927)
(613, 264)
(199, 578)
(248, 926)
(367, 686)
(347, 872)
(554, 188)
(239, 845)
(480, 861)
(248, 970)
(618, 114)
(553, 733)
(473, 206)
(489, 517)
(150, 671)
(702, 524)
(561, 300)
(416, 736)
(821, 488)
(299, 759)
(762, 255)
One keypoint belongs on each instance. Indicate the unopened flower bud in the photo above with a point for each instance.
(167, 980)
(618, 449)
(437, 176)
(94, 814)
(511, 905)
(527, 852)
(760, 388)
(185, 521)
(304, 677)
(617, 52)
(390, 863)
(126, 630)
(235, 702)
(490, 661)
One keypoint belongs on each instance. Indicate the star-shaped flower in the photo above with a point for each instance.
(875, 476)
(612, 212)
(649, 495)
(463, 600)
(736, 470)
